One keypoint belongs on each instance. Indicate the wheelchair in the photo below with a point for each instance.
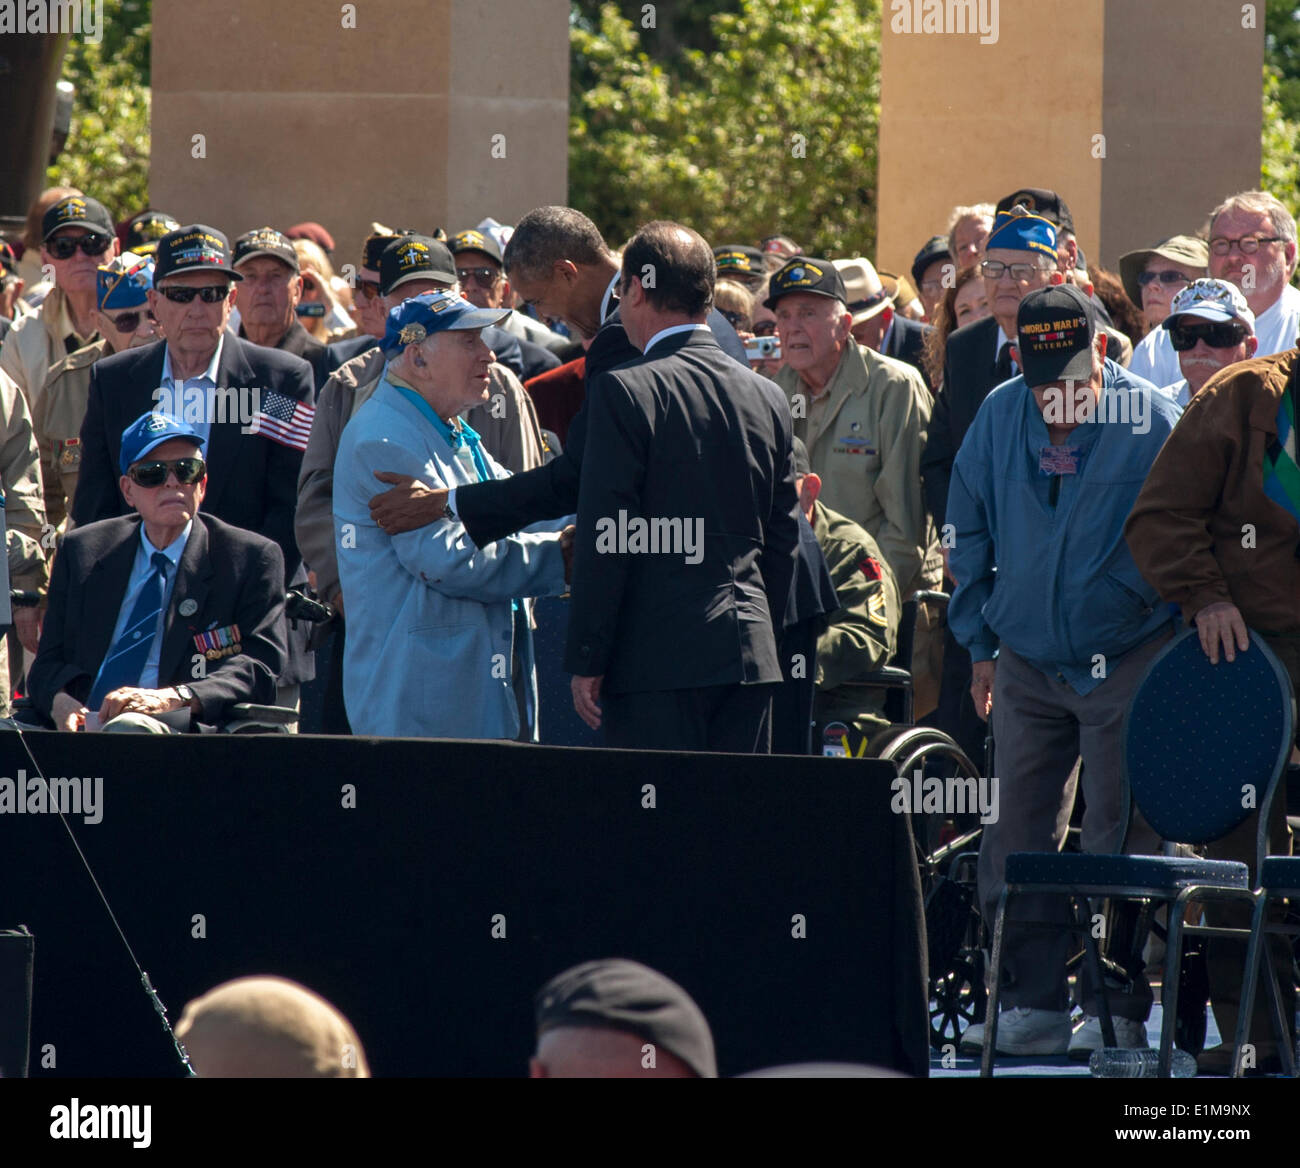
(243, 718)
(947, 845)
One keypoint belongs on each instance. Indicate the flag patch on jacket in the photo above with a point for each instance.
(284, 420)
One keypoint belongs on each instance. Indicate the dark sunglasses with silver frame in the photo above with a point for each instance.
(153, 472)
(184, 293)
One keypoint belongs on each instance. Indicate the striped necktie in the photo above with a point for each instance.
(126, 659)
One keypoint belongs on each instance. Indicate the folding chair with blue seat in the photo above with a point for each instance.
(1199, 739)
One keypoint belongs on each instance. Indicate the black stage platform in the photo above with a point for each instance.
(388, 908)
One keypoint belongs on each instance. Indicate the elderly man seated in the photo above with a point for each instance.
(1210, 326)
(165, 619)
(438, 640)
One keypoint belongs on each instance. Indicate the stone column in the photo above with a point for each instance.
(1141, 114)
(415, 113)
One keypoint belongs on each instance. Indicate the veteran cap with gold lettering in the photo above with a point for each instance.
(1055, 328)
(193, 248)
(414, 257)
(803, 274)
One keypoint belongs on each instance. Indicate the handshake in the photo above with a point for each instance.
(566, 549)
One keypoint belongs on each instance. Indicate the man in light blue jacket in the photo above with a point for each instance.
(1041, 488)
(438, 639)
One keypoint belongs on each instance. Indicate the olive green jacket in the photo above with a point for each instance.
(863, 631)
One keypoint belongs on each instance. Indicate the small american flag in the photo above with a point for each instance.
(284, 420)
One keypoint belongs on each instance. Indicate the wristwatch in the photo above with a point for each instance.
(185, 694)
(447, 512)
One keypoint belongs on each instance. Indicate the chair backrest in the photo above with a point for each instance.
(1205, 745)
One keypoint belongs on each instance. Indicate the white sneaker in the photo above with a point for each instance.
(1022, 1030)
(1129, 1035)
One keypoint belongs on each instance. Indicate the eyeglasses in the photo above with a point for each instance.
(1021, 273)
(369, 289)
(1249, 245)
(1225, 334)
(483, 276)
(209, 293)
(1168, 277)
(154, 474)
(932, 287)
(128, 322)
(63, 247)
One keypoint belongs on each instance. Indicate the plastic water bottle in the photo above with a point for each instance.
(1114, 1063)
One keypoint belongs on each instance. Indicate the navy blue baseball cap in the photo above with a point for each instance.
(434, 312)
(148, 432)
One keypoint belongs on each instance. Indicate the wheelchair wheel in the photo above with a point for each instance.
(932, 754)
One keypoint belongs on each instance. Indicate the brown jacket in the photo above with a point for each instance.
(1202, 529)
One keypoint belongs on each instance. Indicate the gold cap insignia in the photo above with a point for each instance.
(412, 334)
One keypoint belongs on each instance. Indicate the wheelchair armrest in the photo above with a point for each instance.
(886, 677)
(929, 596)
(25, 713)
(251, 712)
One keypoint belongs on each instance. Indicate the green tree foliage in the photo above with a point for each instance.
(1280, 169)
(107, 152)
(774, 130)
(1282, 53)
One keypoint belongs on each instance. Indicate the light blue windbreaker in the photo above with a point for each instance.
(1065, 589)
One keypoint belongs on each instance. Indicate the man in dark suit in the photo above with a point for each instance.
(252, 405)
(558, 262)
(160, 611)
(1019, 257)
(269, 296)
(686, 526)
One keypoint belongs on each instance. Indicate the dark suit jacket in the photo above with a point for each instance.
(252, 481)
(969, 372)
(684, 433)
(493, 510)
(301, 343)
(907, 343)
(234, 576)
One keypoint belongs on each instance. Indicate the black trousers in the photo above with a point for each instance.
(735, 719)
(955, 714)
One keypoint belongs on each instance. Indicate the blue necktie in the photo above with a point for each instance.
(126, 659)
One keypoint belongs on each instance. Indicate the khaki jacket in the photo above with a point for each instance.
(60, 410)
(507, 423)
(862, 632)
(1202, 529)
(35, 343)
(865, 439)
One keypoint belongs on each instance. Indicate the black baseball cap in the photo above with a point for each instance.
(1055, 330)
(145, 230)
(265, 241)
(738, 259)
(414, 257)
(475, 240)
(804, 274)
(193, 248)
(1042, 202)
(936, 248)
(616, 994)
(77, 211)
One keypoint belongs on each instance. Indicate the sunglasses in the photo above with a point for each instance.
(484, 276)
(1226, 334)
(764, 328)
(210, 293)
(1164, 277)
(369, 289)
(64, 247)
(128, 322)
(735, 319)
(154, 474)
